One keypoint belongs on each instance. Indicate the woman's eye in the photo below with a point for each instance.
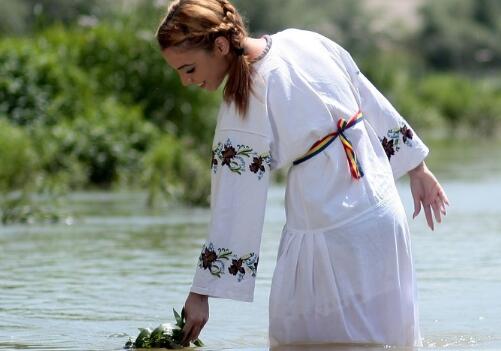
(191, 70)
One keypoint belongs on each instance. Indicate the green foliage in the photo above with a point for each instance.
(448, 103)
(484, 116)
(93, 101)
(171, 170)
(21, 208)
(129, 64)
(13, 15)
(37, 84)
(346, 21)
(17, 158)
(107, 142)
(163, 336)
(451, 94)
(28, 16)
(461, 34)
(18, 178)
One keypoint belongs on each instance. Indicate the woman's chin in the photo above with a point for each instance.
(211, 87)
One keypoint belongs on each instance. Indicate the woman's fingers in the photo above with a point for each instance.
(187, 330)
(436, 211)
(444, 198)
(191, 331)
(194, 333)
(428, 215)
(417, 207)
(191, 335)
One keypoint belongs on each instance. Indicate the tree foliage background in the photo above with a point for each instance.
(83, 85)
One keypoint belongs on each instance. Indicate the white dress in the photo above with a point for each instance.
(344, 271)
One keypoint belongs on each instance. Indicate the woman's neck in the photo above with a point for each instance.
(254, 47)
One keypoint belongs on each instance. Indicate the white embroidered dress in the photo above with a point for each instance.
(344, 271)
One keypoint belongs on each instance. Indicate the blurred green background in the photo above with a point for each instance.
(87, 102)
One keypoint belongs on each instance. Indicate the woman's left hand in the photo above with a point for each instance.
(428, 193)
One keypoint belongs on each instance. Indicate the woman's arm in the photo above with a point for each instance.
(428, 193)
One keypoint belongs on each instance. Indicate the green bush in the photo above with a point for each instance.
(104, 144)
(484, 113)
(172, 170)
(128, 64)
(18, 173)
(461, 34)
(17, 158)
(94, 100)
(451, 94)
(39, 85)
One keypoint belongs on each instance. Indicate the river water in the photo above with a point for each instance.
(89, 283)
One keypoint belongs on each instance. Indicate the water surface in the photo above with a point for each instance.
(90, 283)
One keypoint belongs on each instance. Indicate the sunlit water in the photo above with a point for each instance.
(117, 267)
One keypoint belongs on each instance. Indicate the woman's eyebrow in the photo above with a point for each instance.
(183, 66)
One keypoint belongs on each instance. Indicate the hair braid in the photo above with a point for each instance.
(196, 24)
(234, 20)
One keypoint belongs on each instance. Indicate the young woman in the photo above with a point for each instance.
(297, 100)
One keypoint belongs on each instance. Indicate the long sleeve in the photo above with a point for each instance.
(229, 258)
(403, 147)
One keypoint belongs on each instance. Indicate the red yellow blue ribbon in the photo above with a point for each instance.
(342, 124)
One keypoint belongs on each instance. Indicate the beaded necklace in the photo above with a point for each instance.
(266, 49)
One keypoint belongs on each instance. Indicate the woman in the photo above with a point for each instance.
(295, 99)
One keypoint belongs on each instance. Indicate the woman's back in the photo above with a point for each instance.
(308, 89)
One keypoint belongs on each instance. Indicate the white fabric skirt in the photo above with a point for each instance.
(349, 284)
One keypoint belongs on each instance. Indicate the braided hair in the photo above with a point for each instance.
(195, 24)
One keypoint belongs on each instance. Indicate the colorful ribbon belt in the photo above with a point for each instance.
(320, 145)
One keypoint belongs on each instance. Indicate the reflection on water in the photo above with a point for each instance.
(89, 286)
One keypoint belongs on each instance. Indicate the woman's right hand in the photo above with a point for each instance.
(196, 313)
(428, 193)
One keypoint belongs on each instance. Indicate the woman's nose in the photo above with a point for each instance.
(186, 80)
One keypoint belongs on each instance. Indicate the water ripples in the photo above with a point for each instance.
(92, 284)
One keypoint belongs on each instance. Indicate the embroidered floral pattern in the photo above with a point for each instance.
(257, 165)
(236, 158)
(391, 143)
(215, 261)
(214, 160)
(388, 147)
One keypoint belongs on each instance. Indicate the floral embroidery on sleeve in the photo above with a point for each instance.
(391, 143)
(236, 158)
(215, 262)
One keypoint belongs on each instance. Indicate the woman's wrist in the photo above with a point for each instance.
(199, 296)
(421, 168)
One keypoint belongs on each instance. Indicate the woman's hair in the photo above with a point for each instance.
(195, 24)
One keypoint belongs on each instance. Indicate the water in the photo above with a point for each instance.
(89, 284)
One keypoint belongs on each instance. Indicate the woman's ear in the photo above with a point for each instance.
(221, 46)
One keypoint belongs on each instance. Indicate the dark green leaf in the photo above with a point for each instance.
(179, 319)
(198, 343)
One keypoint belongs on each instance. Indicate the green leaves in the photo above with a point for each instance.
(163, 336)
(95, 102)
(143, 339)
(179, 319)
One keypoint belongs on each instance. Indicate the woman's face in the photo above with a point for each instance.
(207, 69)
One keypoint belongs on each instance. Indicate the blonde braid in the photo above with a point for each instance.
(234, 22)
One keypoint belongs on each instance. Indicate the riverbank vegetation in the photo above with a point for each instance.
(86, 100)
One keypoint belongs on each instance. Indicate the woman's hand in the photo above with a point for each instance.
(427, 192)
(196, 312)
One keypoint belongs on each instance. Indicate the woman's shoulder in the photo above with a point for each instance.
(292, 49)
(296, 33)
(302, 37)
